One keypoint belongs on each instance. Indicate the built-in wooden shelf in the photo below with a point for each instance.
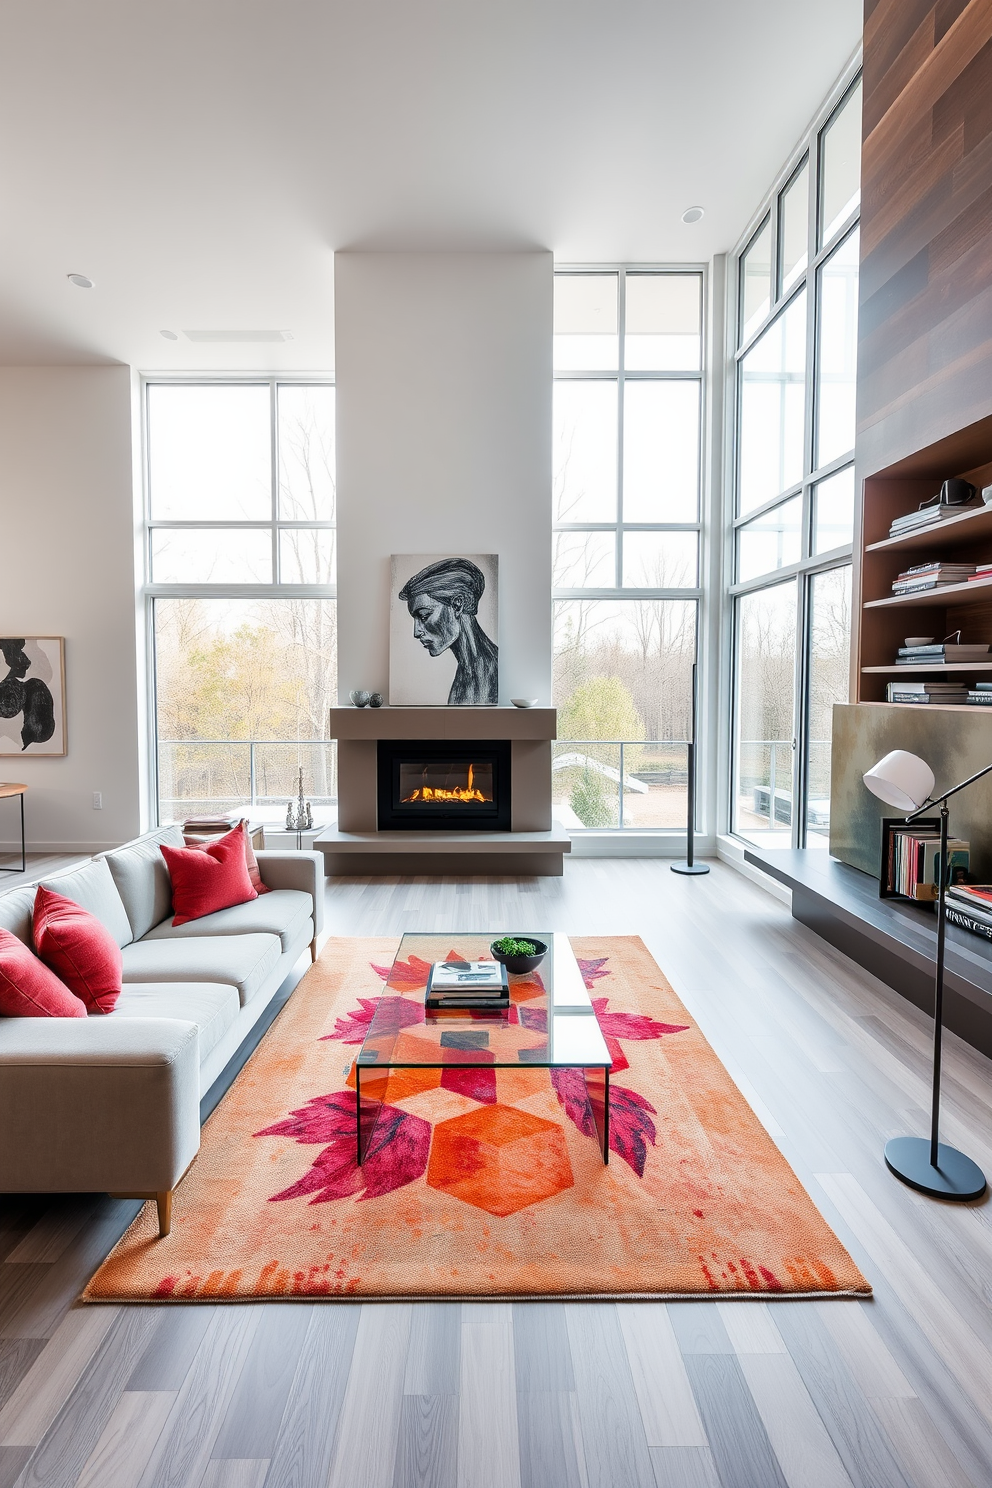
(931, 707)
(948, 594)
(934, 666)
(964, 528)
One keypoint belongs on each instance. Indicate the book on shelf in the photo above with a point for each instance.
(976, 898)
(932, 576)
(939, 653)
(966, 921)
(930, 516)
(896, 694)
(983, 571)
(912, 859)
(980, 697)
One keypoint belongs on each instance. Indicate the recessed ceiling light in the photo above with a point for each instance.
(81, 281)
(692, 214)
(169, 335)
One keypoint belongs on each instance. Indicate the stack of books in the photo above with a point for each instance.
(983, 571)
(467, 984)
(930, 516)
(913, 860)
(923, 576)
(970, 906)
(939, 653)
(911, 691)
(980, 694)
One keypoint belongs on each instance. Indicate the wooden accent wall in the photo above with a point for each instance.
(925, 336)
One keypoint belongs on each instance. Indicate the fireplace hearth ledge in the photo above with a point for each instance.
(535, 845)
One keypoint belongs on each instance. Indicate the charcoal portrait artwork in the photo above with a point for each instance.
(443, 621)
(32, 695)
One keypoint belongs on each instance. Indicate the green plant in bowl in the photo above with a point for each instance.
(519, 954)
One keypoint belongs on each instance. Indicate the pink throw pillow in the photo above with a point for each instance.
(207, 879)
(28, 989)
(79, 949)
(251, 862)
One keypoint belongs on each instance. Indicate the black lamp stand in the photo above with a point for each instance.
(930, 1166)
(689, 865)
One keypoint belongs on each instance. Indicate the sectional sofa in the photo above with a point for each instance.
(112, 1102)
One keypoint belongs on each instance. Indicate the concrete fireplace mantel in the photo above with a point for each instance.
(534, 845)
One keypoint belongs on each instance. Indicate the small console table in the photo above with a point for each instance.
(9, 788)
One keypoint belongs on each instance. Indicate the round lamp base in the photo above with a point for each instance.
(689, 867)
(956, 1177)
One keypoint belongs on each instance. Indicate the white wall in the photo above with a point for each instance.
(443, 371)
(67, 568)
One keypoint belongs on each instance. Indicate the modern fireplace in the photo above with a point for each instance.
(444, 784)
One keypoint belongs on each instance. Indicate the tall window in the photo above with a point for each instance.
(797, 309)
(241, 584)
(627, 421)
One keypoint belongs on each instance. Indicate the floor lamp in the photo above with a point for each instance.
(906, 782)
(689, 864)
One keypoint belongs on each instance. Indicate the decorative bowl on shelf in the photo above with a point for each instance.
(524, 702)
(360, 698)
(918, 641)
(516, 957)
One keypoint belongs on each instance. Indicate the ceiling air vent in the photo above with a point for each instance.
(230, 336)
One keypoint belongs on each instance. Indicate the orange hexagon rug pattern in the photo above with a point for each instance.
(482, 1178)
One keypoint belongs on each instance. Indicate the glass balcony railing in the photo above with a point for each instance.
(620, 783)
(197, 776)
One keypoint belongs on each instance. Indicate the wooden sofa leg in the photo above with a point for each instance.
(313, 950)
(164, 1202)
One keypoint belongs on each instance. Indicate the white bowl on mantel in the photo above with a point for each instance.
(524, 702)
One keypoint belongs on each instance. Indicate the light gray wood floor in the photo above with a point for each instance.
(891, 1393)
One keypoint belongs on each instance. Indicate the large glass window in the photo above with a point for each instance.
(628, 410)
(241, 585)
(794, 514)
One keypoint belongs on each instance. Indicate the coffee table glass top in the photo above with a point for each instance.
(550, 1021)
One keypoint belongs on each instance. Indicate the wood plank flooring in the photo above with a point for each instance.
(895, 1392)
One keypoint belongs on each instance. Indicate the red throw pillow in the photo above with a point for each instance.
(207, 879)
(251, 863)
(28, 989)
(79, 949)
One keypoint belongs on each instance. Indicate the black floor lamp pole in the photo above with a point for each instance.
(689, 865)
(930, 1166)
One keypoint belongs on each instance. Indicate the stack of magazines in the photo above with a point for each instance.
(983, 571)
(939, 653)
(936, 575)
(912, 691)
(970, 906)
(467, 984)
(930, 516)
(981, 694)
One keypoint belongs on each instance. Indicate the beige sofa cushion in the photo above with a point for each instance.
(241, 961)
(210, 1006)
(17, 912)
(142, 878)
(284, 912)
(92, 887)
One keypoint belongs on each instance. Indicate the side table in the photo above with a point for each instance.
(9, 788)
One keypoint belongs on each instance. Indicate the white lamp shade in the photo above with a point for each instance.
(901, 780)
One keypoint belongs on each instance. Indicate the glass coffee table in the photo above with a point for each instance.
(551, 1024)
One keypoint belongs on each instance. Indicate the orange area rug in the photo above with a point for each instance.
(483, 1182)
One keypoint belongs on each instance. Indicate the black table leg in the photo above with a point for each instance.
(24, 856)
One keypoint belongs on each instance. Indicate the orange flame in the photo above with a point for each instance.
(428, 793)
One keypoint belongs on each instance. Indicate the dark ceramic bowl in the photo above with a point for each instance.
(520, 965)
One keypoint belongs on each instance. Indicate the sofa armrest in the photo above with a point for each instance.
(98, 1104)
(296, 870)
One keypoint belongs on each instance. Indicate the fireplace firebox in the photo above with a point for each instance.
(444, 784)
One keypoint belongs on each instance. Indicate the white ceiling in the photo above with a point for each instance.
(202, 159)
